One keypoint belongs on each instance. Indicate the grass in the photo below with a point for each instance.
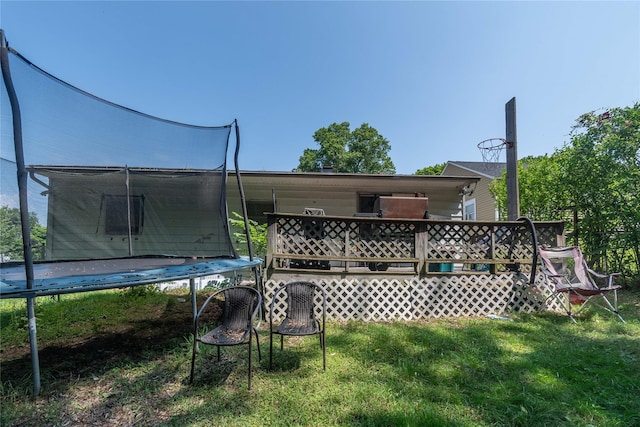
(110, 358)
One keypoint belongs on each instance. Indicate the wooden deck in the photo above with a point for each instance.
(346, 245)
(391, 269)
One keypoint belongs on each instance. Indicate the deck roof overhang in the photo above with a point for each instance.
(431, 185)
(445, 193)
(363, 183)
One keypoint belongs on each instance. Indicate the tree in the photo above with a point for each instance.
(432, 170)
(543, 196)
(602, 170)
(591, 183)
(362, 151)
(11, 234)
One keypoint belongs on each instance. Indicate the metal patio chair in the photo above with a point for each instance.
(241, 306)
(300, 315)
(568, 275)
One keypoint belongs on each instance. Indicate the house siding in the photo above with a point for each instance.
(336, 203)
(485, 203)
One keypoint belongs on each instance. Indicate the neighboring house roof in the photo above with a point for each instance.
(486, 169)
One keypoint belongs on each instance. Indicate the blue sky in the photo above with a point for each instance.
(432, 77)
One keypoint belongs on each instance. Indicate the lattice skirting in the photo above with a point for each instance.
(388, 299)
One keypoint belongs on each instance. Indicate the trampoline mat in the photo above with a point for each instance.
(52, 278)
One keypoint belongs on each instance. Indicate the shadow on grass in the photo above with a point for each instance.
(211, 372)
(96, 352)
(283, 361)
(537, 370)
(533, 372)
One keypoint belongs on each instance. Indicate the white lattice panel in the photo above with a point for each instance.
(385, 299)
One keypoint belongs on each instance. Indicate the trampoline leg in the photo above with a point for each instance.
(194, 308)
(33, 340)
(194, 304)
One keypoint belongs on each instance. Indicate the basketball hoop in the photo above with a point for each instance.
(492, 148)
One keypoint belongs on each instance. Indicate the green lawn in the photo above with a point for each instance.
(113, 358)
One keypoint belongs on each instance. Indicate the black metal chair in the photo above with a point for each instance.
(241, 306)
(300, 315)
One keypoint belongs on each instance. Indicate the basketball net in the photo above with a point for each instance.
(491, 149)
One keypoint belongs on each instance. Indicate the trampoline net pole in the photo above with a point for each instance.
(24, 208)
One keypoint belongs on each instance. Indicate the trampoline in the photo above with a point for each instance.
(63, 277)
(108, 197)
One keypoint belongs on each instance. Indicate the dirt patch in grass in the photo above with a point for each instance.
(105, 376)
(149, 331)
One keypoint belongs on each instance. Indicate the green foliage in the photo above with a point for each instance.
(140, 291)
(362, 151)
(257, 233)
(432, 170)
(542, 192)
(602, 170)
(11, 234)
(594, 179)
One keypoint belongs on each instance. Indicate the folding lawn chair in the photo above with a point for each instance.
(573, 282)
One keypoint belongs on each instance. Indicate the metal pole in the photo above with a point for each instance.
(194, 311)
(129, 233)
(243, 202)
(194, 303)
(513, 196)
(24, 207)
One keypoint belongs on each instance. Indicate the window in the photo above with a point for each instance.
(470, 210)
(116, 218)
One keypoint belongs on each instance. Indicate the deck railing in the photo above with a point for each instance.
(422, 246)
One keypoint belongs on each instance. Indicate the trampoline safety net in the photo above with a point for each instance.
(113, 197)
(105, 181)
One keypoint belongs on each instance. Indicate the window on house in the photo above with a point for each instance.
(117, 218)
(470, 210)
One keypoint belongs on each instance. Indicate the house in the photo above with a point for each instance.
(372, 268)
(478, 203)
(345, 194)
(173, 211)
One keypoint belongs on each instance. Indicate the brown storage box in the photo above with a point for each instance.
(402, 207)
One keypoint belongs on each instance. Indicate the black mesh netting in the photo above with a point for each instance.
(106, 181)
